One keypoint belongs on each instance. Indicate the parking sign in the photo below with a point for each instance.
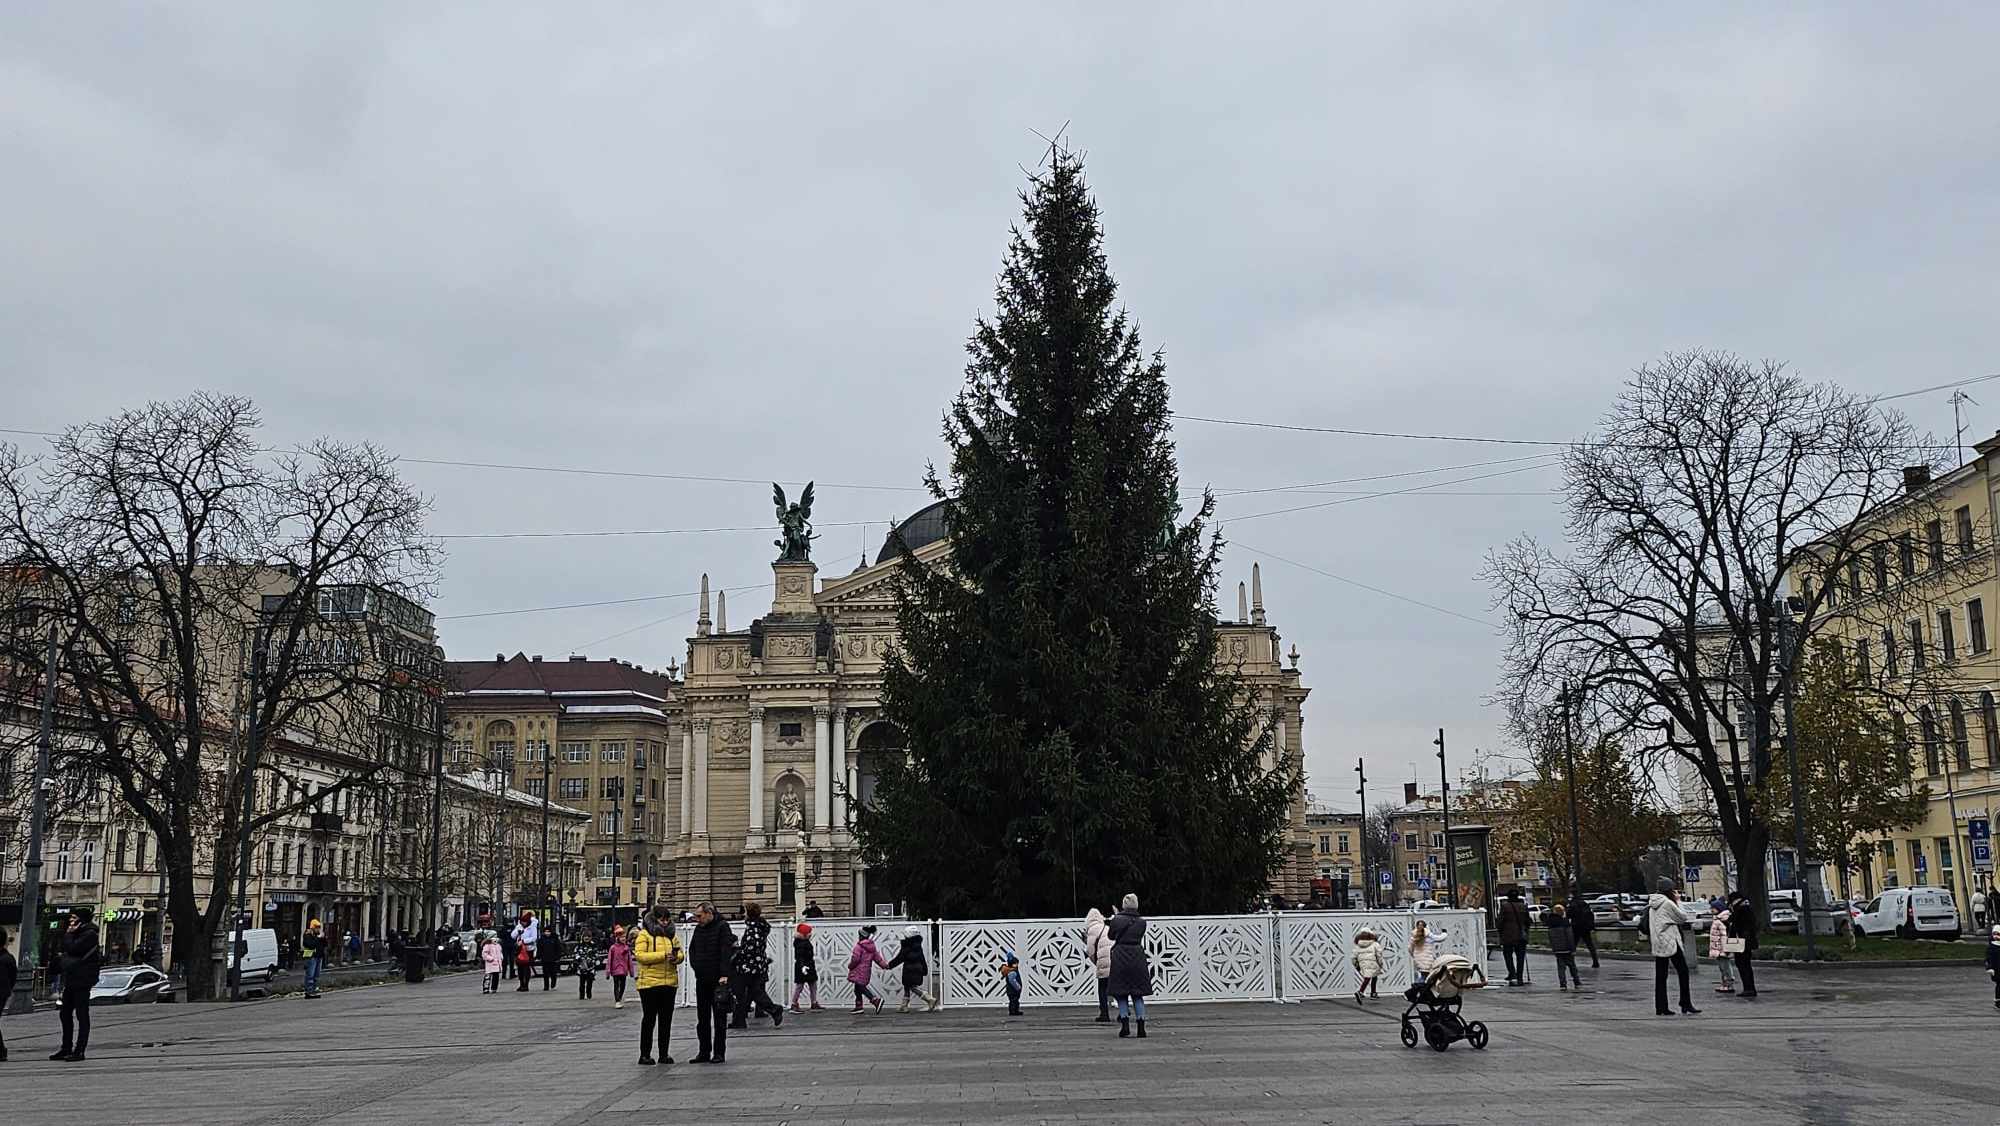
(1388, 881)
(1980, 830)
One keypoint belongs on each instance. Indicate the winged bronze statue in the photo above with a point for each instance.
(796, 522)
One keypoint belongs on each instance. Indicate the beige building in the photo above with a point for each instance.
(780, 725)
(593, 735)
(1914, 617)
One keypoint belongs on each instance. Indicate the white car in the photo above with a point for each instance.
(1916, 912)
(1604, 910)
(1699, 913)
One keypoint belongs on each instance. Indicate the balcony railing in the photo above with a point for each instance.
(326, 823)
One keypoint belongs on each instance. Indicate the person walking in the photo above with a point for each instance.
(1992, 967)
(861, 963)
(1666, 927)
(314, 944)
(527, 933)
(9, 973)
(709, 952)
(916, 967)
(1718, 949)
(805, 967)
(1584, 920)
(1562, 944)
(618, 963)
(353, 946)
(1097, 946)
(1979, 903)
(1512, 923)
(1741, 932)
(750, 971)
(1367, 959)
(550, 951)
(79, 962)
(1131, 977)
(586, 963)
(657, 952)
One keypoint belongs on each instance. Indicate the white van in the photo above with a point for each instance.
(1916, 912)
(260, 958)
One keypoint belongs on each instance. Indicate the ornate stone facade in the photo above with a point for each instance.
(779, 727)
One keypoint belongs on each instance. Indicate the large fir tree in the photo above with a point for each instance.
(1071, 735)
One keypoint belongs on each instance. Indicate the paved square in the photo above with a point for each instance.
(1856, 1046)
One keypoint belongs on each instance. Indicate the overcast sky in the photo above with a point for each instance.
(751, 244)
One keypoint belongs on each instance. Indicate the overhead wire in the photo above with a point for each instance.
(1358, 583)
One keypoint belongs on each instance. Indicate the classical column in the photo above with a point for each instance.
(687, 779)
(1278, 747)
(837, 760)
(756, 769)
(822, 768)
(700, 777)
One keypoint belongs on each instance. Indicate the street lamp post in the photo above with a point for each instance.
(437, 826)
(260, 653)
(1569, 758)
(23, 1000)
(1367, 870)
(1788, 656)
(1444, 795)
(548, 893)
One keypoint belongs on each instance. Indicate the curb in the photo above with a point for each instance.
(1802, 964)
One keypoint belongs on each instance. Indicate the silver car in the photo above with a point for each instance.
(128, 985)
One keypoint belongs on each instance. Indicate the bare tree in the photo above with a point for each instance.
(1712, 485)
(206, 593)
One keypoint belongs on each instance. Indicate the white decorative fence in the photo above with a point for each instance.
(1279, 956)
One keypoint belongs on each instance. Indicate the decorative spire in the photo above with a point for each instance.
(1242, 603)
(701, 623)
(1256, 595)
(722, 611)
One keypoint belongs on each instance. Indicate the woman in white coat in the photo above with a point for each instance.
(1097, 943)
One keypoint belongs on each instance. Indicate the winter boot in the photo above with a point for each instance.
(1142, 1030)
(905, 1006)
(931, 1003)
(1124, 1028)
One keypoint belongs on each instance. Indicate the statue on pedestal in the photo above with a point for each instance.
(796, 522)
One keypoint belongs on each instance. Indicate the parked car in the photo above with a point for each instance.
(1699, 913)
(1429, 905)
(1537, 913)
(127, 985)
(1783, 914)
(1604, 910)
(260, 955)
(1913, 912)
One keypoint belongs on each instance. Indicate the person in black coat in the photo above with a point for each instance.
(80, 960)
(1743, 925)
(1585, 921)
(1131, 980)
(550, 949)
(750, 971)
(710, 949)
(9, 973)
(805, 967)
(916, 967)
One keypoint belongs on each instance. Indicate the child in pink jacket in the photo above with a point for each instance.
(861, 965)
(619, 965)
(1718, 949)
(489, 961)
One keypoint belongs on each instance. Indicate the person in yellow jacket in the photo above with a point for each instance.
(658, 954)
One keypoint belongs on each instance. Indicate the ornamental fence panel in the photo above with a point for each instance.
(1192, 957)
(1316, 947)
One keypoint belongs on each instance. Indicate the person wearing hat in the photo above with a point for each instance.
(750, 971)
(658, 954)
(805, 968)
(1666, 924)
(79, 962)
(526, 934)
(916, 967)
(618, 963)
(314, 945)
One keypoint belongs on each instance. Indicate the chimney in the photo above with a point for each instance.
(537, 658)
(1916, 477)
(499, 658)
(1409, 793)
(578, 657)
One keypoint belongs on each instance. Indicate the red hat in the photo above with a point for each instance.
(805, 929)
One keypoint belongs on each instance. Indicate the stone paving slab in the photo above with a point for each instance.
(1821, 1047)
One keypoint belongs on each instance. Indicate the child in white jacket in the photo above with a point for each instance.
(1367, 958)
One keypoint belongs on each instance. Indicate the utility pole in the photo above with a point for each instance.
(23, 1000)
(437, 827)
(260, 653)
(548, 893)
(1444, 795)
(1367, 869)
(1575, 837)
(1787, 654)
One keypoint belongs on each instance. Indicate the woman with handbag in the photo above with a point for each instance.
(658, 953)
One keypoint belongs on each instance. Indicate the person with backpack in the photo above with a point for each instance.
(657, 952)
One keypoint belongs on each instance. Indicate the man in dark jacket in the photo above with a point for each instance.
(79, 963)
(550, 950)
(1512, 922)
(8, 973)
(1742, 926)
(709, 950)
(1585, 921)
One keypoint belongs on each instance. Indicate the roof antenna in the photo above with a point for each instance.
(1958, 401)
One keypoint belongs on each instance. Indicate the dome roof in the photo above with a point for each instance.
(925, 526)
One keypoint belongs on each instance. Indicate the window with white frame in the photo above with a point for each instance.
(1410, 872)
(611, 752)
(576, 751)
(574, 787)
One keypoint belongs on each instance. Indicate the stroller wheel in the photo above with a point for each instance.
(1409, 1035)
(1438, 1037)
(1475, 1033)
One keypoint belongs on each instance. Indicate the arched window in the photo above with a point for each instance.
(1927, 724)
(1961, 746)
(1989, 730)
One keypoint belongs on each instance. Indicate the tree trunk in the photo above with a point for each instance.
(1751, 878)
(194, 932)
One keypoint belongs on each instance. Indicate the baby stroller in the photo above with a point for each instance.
(1435, 1003)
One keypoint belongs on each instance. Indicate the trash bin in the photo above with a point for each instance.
(413, 964)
